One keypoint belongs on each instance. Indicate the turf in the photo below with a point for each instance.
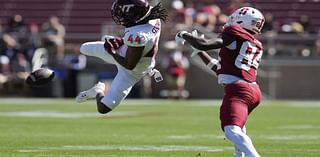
(151, 128)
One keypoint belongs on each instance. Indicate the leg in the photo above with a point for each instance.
(101, 107)
(240, 140)
(96, 49)
(234, 112)
(99, 88)
(119, 89)
(237, 151)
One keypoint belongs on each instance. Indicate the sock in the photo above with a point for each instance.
(237, 151)
(240, 140)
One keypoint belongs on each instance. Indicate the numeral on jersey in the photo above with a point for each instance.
(136, 40)
(249, 56)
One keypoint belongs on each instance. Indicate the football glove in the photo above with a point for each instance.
(179, 39)
(112, 44)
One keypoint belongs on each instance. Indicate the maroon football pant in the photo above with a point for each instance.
(239, 100)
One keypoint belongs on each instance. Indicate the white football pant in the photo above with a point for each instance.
(124, 80)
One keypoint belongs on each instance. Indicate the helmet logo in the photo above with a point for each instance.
(126, 8)
(243, 11)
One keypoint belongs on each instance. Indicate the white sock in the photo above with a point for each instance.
(241, 141)
(237, 151)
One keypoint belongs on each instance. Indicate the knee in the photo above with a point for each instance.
(232, 131)
(102, 108)
(84, 48)
(103, 111)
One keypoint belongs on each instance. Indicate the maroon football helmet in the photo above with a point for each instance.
(130, 12)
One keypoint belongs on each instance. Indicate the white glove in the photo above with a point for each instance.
(195, 51)
(179, 39)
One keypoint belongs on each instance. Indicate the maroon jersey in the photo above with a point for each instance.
(242, 57)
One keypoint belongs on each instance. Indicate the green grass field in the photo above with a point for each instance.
(151, 128)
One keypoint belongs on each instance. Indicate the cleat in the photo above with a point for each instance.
(92, 92)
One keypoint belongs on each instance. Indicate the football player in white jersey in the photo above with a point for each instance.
(133, 54)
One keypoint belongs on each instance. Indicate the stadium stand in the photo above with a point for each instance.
(82, 16)
(85, 20)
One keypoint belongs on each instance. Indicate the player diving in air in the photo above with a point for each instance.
(236, 68)
(133, 54)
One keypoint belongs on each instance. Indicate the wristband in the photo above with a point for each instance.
(212, 63)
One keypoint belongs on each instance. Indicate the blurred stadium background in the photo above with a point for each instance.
(49, 32)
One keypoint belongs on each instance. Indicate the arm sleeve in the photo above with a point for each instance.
(227, 39)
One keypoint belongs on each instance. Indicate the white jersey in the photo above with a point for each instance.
(146, 35)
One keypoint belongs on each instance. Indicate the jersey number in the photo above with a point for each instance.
(136, 40)
(249, 56)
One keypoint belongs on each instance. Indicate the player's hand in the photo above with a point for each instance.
(112, 44)
(195, 51)
(179, 39)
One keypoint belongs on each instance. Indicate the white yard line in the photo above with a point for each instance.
(290, 137)
(188, 137)
(56, 114)
(164, 148)
(264, 137)
(148, 102)
(300, 127)
(134, 102)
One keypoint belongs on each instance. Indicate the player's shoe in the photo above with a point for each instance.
(238, 153)
(92, 92)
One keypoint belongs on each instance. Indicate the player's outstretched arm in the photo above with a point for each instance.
(203, 44)
(210, 62)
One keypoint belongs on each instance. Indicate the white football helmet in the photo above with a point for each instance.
(248, 18)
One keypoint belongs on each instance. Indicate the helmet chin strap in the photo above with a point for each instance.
(146, 15)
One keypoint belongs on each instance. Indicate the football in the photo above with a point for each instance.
(40, 77)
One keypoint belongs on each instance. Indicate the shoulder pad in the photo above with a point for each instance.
(135, 39)
(238, 32)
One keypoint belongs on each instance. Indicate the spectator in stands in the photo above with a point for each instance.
(214, 16)
(304, 20)
(190, 13)
(1, 28)
(268, 24)
(5, 71)
(182, 13)
(2, 43)
(34, 40)
(54, 33)
(209, 16)
(317, 47)
(292, 28)
(16, 27)
(10, 46)
(175, 65)
(234, 5)
(14, 36)
(73, 63)
(21, 68)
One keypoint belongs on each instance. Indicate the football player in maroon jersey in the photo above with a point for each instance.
(236, 68)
